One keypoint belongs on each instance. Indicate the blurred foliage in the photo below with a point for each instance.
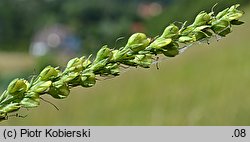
(185, 10)
(95, 21)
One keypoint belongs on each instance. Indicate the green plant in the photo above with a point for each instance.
(139, 51)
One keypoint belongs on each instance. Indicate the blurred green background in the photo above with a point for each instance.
(207, 85)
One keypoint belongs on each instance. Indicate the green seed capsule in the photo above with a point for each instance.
(103, 53)
(17, 85)
(201, 19)
(170, 52)
(75, 65)
(170, 31)
(138, 42)
(59, 91)
(48, 73)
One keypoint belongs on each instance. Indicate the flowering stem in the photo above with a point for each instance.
(139, 51)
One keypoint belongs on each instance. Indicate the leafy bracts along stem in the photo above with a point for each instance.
(139, 51)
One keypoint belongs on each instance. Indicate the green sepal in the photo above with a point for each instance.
(41, 87)
(69, 77)
(11, 107)
(30, 100)
(236, 22)
(143, 60)
(111, 69)
(99, 65)
(200, 28)
(75, 65)
(186, 31)
(160, 43)
(201, 19)
(222, 13)
(225, 32)
(119, 55)
(88, 79)
(59, 91)
(86, 62)
(220, 26)
(3, 96)
(48, 73)
(202, 35)
(103, 54)
(185, 39)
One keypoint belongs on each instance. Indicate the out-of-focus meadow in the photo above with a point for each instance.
(206, 85)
